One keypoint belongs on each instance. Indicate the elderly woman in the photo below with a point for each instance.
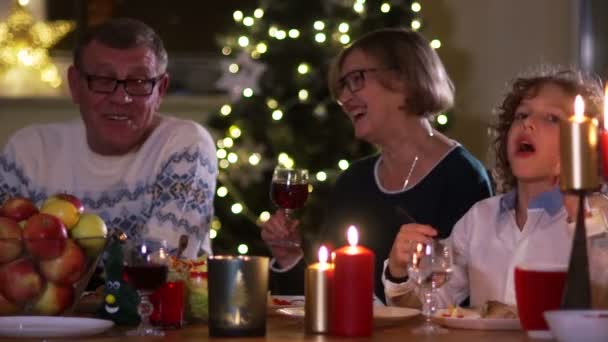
(390, 83)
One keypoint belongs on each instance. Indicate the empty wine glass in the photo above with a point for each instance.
(430, 268)
(289, 191)
(145, 268)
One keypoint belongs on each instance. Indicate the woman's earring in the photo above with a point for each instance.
(429, 128)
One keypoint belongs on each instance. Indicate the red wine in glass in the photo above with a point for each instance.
(289, 196)
(146, 278)
(289, 191)
(145, 268)
(289, 188)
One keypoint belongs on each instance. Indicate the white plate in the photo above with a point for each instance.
(50, 326)
(390, 313)
(277, 302)
(472, 320)
(381, 313)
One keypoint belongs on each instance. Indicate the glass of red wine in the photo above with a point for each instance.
(145, 268)
(289, 191)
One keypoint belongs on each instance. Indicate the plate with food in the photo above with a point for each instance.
(493, 315)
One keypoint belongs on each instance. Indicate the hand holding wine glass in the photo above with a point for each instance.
(289, 192)
(145, 268)
(430, 268)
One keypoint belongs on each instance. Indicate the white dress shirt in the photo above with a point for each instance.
(487, 245)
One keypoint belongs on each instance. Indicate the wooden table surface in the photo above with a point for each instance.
(281, 328)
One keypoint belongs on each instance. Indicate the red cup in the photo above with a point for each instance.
(538, 288)
(168, 303)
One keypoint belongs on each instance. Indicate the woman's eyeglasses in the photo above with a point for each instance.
(355, 80)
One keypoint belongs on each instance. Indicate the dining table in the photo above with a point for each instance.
(283, 328)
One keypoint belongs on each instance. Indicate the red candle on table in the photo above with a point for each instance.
(604, 138)
(353, 289)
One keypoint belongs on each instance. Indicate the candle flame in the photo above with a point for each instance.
(606, 108)
(579, 109)
(352, 236)
(323, 253)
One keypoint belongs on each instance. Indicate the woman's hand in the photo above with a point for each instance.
(405, 245)
(282, 236)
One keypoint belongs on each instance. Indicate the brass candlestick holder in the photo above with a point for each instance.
(577, 290)
(579, 175)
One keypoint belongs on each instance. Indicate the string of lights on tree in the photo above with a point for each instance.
(280, 111)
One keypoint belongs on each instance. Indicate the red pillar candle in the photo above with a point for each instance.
(353, 289)
(317, 291)
(604, 138)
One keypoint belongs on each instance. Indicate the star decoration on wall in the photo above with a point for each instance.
(24, 43)
(247, 76)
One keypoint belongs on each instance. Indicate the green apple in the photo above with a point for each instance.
(90, 233)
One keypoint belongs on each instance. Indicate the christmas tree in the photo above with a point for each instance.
(280, 109)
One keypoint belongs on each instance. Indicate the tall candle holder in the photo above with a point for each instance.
(579, 175)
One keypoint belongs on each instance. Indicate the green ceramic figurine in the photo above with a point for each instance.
(120, 298)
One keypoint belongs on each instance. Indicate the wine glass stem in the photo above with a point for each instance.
(427, 305)
(144, 309)
(288, 214)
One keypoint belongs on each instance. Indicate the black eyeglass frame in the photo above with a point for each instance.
(90, 78)
(344, 83)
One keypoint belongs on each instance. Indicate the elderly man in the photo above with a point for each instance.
(150, 175)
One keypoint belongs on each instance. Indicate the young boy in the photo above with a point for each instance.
(529, 220)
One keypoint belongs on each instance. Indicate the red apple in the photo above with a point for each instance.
(54, 300)
(18, 208)
(67, 268)
(90, 233)
(45, 236)
(11, 244)
(7, 308)
(19, 281)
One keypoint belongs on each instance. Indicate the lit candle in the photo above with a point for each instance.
(604, 137)
(353, 289)
(317, 291)
(578, 141)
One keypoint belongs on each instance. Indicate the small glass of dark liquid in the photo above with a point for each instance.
(145, 268)
(289, 191)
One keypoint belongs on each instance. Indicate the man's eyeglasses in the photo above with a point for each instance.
(355, 80)
(133, 86)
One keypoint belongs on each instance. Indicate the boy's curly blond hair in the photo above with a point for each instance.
(572, 81)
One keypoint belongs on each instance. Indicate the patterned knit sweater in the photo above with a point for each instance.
(163, 189)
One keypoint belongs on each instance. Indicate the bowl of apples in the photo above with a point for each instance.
(47, 254)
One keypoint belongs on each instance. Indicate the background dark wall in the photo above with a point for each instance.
(593, 34)
(188, 26)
